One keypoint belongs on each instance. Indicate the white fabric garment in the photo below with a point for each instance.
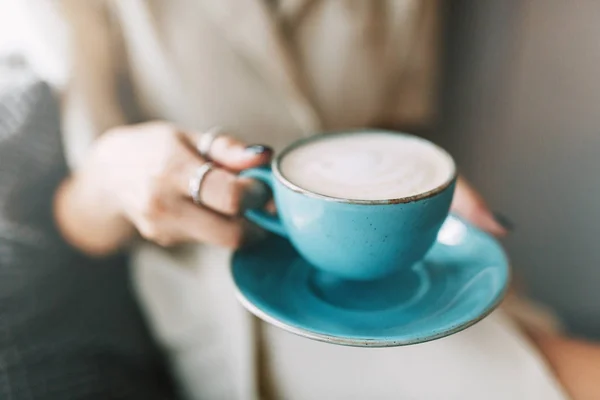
(271, 72)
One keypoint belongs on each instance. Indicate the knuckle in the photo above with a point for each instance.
(149, 230)
(166, 134)
(153, 207)
(235, 237)
(153, 232)
(165, 169)
(233, 199)
(159, 180)
(165, 240)
(171, 146)
(224, 145)
(228, 141)
(222, 191)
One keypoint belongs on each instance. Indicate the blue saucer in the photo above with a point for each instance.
(461, 280)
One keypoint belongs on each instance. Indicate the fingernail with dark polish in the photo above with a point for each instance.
(259, 149)
(255, 196)
(504, 221)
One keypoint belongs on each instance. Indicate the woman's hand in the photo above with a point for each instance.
(469, 204)
(136, 178)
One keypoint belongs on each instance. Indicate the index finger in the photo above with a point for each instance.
(234, 154)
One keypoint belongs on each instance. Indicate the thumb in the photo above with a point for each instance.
(469, 204)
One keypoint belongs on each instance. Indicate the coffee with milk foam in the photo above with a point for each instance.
(368, 166)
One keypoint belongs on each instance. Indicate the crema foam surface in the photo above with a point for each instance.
(368, 166)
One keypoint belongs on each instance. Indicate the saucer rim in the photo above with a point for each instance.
(372, 343)
(391, 341)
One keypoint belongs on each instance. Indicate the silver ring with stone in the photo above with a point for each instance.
(207, 139)
(195, 183)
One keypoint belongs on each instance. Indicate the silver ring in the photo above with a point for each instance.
(207, 139)
(195, 183)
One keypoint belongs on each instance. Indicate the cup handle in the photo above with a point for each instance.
(262, 218)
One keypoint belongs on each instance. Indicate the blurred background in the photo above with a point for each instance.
(522, 116)
(521, 113)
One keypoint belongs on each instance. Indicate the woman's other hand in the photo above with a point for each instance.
(137, 177)
(469, 204)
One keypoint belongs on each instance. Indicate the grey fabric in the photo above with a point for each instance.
(69, 325)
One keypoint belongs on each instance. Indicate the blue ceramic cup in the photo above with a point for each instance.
(352, 239)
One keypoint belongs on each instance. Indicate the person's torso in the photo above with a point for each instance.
(273, 73)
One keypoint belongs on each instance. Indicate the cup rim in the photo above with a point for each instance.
(275, 164)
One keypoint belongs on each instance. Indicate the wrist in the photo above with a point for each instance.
(87, 219)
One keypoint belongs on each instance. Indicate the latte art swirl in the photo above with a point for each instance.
(368, 166)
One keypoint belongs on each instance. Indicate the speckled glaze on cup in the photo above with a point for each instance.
(353, 239)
